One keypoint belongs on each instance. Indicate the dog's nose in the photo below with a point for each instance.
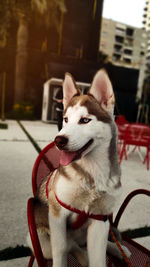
(61, 141)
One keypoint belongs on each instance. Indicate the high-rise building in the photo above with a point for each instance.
(146, 16)
(146, 26)
(125, 46)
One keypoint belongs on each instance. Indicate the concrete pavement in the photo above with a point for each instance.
(17, 156)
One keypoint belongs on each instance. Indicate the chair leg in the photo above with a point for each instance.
(148, 150)
(146, 159)
(31, 261)
(123, 151)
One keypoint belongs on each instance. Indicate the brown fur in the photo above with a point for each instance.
(41, 214)
(54, 206)
(63, 172)
(81, 172)
(92, 106)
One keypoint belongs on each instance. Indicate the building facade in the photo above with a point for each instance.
(146, 26)
(125, 46)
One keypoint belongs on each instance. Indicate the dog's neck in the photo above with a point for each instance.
(98, 165)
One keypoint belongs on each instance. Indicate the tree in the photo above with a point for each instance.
(41, 11)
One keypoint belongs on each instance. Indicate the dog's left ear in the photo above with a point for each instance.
(69, 89)
(102, 90)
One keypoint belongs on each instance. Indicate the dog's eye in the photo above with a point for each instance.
(84, 120)
(66, 119)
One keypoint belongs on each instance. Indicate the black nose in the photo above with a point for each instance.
(61, 141)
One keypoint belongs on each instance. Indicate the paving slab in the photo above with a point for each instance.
(13, 133)
(16, 163)
(20, 262)
(40, 131)
(144, 241)
(135, 176)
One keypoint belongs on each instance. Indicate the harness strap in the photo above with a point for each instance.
(82, 215)
(98, 217)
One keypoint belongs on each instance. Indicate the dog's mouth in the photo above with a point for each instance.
(67, 157)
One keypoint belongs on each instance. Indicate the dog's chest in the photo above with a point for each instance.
(77, 187)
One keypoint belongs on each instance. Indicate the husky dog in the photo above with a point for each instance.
(87, 180)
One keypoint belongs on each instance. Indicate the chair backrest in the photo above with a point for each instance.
(47, 161)
(121, 119)
(137, 130)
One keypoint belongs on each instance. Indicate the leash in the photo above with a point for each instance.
(83, 217)
(120, 248)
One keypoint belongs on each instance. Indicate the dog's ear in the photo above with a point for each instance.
(102, 90)
(69, 89)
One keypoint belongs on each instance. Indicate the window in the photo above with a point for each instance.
(116, 57)
(117, 48)
(129, 32)
(127, 60)
(119, 39)
(142, 53)
(128, 51)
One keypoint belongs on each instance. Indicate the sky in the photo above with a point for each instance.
(126, 11)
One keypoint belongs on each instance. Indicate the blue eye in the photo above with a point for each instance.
(84, 120)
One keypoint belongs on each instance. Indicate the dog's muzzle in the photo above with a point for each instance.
(67, 156)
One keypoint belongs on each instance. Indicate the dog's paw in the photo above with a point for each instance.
(115, 251)
(81, 256)
(126, 251)
(84, 259)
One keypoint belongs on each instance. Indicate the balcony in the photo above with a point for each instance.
(128, 42)
(120, 33)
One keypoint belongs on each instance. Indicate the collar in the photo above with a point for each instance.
(82, 215)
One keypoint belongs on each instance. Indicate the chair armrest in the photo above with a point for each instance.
(33, 233)
(126, 202)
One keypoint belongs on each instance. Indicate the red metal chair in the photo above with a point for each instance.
(47, 161)
(136, 134)
(122, 125)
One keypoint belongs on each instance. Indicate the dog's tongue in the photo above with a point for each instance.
(67, 157)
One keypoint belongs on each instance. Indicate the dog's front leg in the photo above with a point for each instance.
(97, 243)
(58, 239)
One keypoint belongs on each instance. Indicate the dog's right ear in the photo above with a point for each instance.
(102, 90)
(69, 89)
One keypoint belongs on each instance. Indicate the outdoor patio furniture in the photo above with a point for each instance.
(46, 162)
(122, 125)
(138, 135)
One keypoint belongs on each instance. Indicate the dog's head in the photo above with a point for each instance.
(86, 118)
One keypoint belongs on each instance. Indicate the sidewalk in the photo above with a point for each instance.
(17, 156)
